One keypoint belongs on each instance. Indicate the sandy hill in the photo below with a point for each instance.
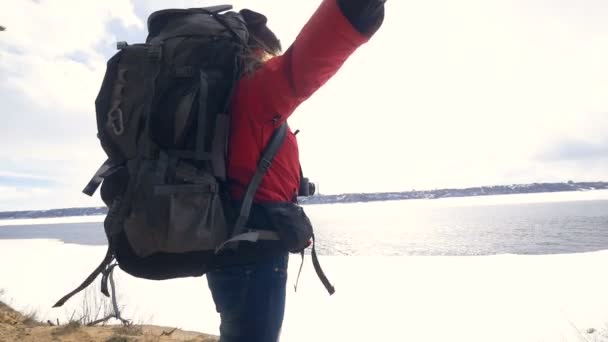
(15, 327)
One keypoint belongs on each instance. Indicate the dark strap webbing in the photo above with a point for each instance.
(114, 215)
(162, 165)
(235, 77)
(263, 165)
(201, 133)
(165, 190)
(315, 262)
(295, 287)
(104, 263)
(104, 279)
(103, 171)
(218, 146)
(251, 236)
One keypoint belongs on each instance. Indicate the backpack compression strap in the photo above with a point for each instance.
(315, 263)
(100, 269)
(113, 225)
(239, 235)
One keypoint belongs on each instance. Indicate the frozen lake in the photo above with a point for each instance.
(503, 268)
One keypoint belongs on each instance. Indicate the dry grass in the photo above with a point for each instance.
(67, 329)
(118, 339)
(129, 330)
(94, 307)
(31, 319)
(17, 327)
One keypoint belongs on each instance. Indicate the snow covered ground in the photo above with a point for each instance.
(489, 298)
(511, 298)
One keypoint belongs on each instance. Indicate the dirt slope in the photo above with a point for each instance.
(15, 327)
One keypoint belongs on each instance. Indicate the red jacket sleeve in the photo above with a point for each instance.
(318, 52)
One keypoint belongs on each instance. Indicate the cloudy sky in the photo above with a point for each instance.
(447, 94)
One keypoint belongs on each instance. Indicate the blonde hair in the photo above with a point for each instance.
(253, 58)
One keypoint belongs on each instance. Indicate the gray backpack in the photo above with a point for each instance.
(162, 121)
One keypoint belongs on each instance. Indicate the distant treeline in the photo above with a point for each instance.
(468, 192)
(361, 197)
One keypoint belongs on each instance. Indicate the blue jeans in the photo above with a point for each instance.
(251, 299)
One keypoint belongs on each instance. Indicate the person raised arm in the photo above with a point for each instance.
(331, 35)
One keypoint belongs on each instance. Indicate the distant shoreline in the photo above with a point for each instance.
(360, 197)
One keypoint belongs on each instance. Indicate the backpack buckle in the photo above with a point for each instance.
(265, 164)
(121, 45)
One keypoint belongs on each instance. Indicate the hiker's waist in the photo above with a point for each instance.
(271, 188)
(258, 216)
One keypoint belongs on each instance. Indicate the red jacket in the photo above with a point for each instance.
(266, 98)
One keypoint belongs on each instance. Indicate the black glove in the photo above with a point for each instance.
(365, 15)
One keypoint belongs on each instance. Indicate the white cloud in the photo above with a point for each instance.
(15, 194)
(447, 94)
(54, 28)
(51, 71)
(36, 52)
(55, 82)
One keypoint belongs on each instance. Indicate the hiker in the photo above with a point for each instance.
(251, 298)
(209, 81)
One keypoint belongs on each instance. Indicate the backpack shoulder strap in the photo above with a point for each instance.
(263, 165)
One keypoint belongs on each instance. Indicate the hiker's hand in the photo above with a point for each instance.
(365, 15)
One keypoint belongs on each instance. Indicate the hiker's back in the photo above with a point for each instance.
(165, 112)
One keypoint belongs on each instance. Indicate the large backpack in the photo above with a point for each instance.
(162, 121)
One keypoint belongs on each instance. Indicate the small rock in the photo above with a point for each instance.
(590, 331)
